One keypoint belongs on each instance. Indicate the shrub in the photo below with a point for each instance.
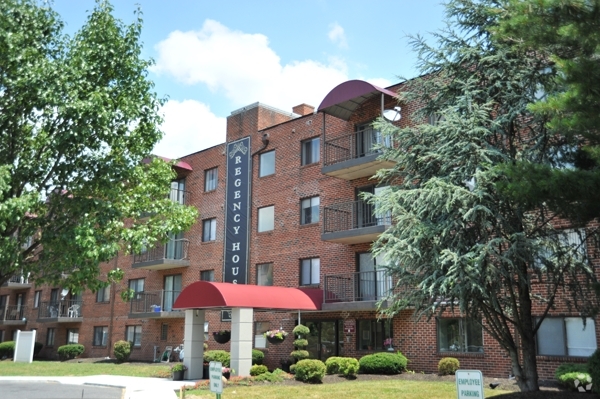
(301, 330)
(300, 343)
(122, 350)
(218, 355)
(448, 365)
(332, 365)
(567, 373)
(348, 367)
(7, 349)
(70, 351)
(383, 363)
(300, 354)
(270, 377)
(257, 356)
(37, 348)
(258, 369)
(310, 370)
(293, 369)
(594, 368)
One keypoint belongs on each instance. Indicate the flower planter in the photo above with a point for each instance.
(275, 340)
(227, 374)
(222, 338)
(178, 375)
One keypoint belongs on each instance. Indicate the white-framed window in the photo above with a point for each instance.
(267, 164)
(570, 247)
(309, 210)
(209, 230)
(566, 336)
(207, 275)
(311, 151)
(103, 294)
(134, 334)
(260, 327)
(266, 218)
(36, 299)
(72, 336)
(137, 284)
(459, 335)
(178, 191)
(210, 179)
(310, 271)
(264, 274)
(100, 336)
(50, 337)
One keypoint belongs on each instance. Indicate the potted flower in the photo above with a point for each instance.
(222, 336)
(275, 336)
(227, 371)
(388, 344)
(177, 371)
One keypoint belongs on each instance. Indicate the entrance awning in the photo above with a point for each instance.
(346, 97)
(208, 294)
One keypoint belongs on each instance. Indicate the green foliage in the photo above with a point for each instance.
(178, 367)
(300, 343)
(332, 364)
(594, 369)
(348, 367)
(258, 369)
(382, 363)
(300, 354)
(310, 370)
(301, 330)
(218, 356)
(448, 365)
(269, 377)
(7, 348)
(293, 369)
(70, 351)
(567, 373)
(257, 356)
(122, 350)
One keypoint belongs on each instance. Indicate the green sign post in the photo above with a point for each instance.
(215, 374)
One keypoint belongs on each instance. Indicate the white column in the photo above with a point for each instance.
(193, 344)
(241, 340)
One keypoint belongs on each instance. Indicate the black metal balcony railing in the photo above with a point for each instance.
(12, 313)
(357, 287)
(174, 250)
(179, 196)
(153, 301)
(19, 279)
(352, 215)
(354, 145)
(57, 309)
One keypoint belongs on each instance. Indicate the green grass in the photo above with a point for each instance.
(66, 369)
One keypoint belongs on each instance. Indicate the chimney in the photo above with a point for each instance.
(303, 109)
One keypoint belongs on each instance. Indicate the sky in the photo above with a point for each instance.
(214, 57)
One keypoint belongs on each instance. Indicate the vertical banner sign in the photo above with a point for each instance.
(237, 213)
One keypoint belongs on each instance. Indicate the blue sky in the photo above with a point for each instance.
(213, 57)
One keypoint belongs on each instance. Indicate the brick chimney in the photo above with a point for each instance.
(303, 109)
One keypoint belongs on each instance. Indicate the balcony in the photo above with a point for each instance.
(13, 315)
(356, 291)
(176, 195)
(18, 282)
(353, 222)
(171, 255)
(66, 311)
(354, 155)
(154, 304)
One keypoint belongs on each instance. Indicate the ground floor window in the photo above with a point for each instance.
(459, 335)
(50, 337)
(72, 336)
(260, 327)
(375, 334)
(134, 334)
(100, 336)
(566, 336)
(1, 335)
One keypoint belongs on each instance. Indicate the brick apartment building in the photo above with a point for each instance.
(306, 227)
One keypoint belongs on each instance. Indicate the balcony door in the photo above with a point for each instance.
(373, 283)
(172, 290)
(174, 247)
(178, 191)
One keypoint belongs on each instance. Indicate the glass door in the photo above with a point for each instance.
(366, 281)
(172, 290)
(324, 340)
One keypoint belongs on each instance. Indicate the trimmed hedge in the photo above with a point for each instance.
(567, 373)
(70, 351)
(258, 369)
(122, 350)
(310, 370)
(448, 365)
(257, 356)
(594, 368)
(347, 366)
(7, 349)
(332, 365)
(383, 363)
(218, 355)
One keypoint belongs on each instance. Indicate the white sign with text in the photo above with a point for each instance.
(215, 373)
(469, 384)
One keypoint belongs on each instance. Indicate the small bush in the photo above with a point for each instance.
(594, 368)
(269, 377)
(293, 369)
(332, 365)
(567, 373)
(383, 363)
(348, 367)
(122, 350)
(218, 355)
(37, 348)
(257, 356)
(70, 351)
(310, 370)
(300, 354)
(448, 365)
(300, 343)
(301, 330)
(7, 349)
(258, 369)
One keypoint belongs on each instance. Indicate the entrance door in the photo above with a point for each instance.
(325, 339)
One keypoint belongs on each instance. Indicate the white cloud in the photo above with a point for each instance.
(189, 126)
(244, 68)
(380, 82)
(337, 35)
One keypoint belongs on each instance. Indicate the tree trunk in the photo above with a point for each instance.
(528, 381)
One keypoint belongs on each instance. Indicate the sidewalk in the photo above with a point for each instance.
(135, 387)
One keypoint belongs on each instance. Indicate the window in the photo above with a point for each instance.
(566, 336)
(178, 191)
(164, 332)
(209, 230)
(100, 336)
(459, 335)
(435, 118)
(260, 327)
(310, 270)
(137, 285)
(103, 294)
(53, 296)
(311, 151)
(50, 337)
(374, 334)
(210, 179)
(72, 336)
(566, 246)
(36, 299)
(266, 218)
(172, 288)
(134, 334)
(309, 210)
(267, 164)
(207, 275)
(264, 274)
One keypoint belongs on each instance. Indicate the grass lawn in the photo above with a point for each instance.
(66, 369)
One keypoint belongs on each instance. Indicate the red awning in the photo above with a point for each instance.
(346, 97)
(208, 294)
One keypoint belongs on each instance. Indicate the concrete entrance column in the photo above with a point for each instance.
(193, 343)
(241, 340)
